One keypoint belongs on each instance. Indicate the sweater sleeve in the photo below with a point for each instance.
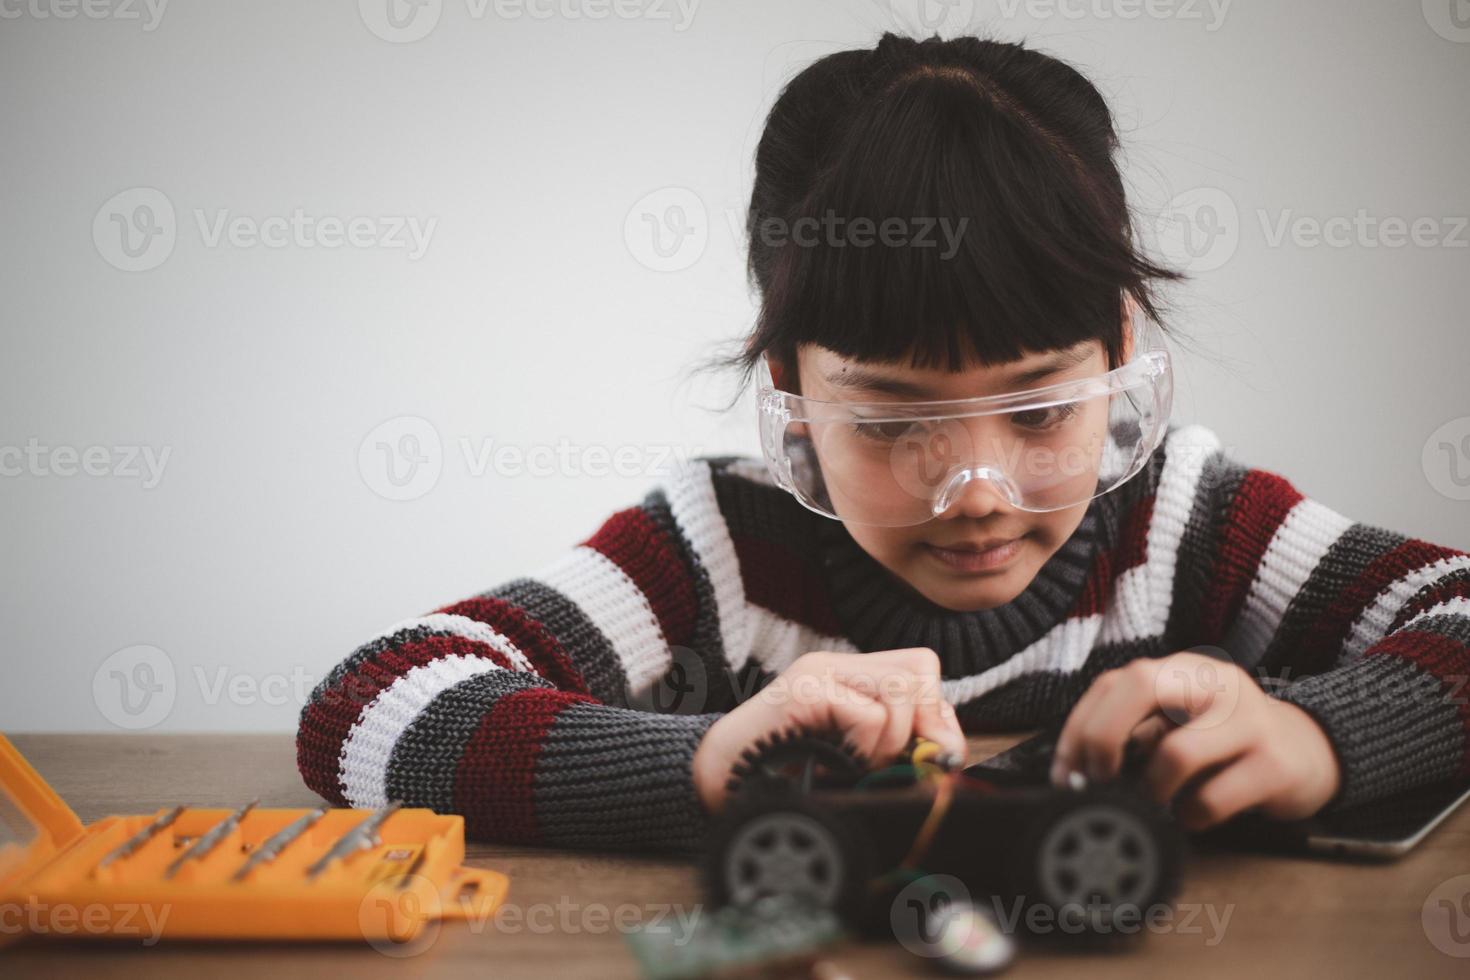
(562, 707)
(1366, 629)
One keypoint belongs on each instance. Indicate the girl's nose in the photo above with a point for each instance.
(974, 491)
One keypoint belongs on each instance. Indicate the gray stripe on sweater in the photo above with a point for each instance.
(425, 759)
(617, 778)
(1388, 720)
(1357, 548)
(590, 651)
(1219, 479)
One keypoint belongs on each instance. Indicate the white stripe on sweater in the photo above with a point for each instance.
(1373, 622)
(1063, 649)
(777, 641)
(470, 629)
(617, 607)
(362, 767)
(1296, 549)
(1456, 606)
(1185, 453)
(696, 509)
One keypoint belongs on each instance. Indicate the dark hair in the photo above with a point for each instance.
(1011, 146)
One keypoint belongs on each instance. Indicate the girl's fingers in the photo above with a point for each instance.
(1186, 752)
(1093, 737)
(1239, 785)
(1148, 733)
(861, 719)
(896, 697)
(935, 720)
(934, 717)
(1188, 689)
(911, 678)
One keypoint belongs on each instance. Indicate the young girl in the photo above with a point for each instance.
(973, 512)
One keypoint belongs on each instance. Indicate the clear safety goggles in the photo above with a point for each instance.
(894, 464)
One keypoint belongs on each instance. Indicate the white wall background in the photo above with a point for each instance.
(264, 554)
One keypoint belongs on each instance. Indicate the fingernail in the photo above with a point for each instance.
(1076, 781)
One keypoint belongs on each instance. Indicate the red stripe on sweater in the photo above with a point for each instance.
(781, 580)
(495, 782)
(1098, 588)
(1321, 643)
(1260, 504)
(632, 541)
(526, 634)
(1443, 658)
(1108, 564)
(330, 717)
(1132, 547)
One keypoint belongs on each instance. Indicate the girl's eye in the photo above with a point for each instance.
(882, 431)
(1041, 419)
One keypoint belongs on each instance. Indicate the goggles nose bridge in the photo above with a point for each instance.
(954, 482)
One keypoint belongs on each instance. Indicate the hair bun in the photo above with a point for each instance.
(891, 43)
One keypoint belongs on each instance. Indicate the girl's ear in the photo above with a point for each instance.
(781, 377)
(1128, 308)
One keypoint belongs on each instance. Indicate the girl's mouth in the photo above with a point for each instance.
(970, 560)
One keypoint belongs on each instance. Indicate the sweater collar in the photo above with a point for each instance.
(879, 611)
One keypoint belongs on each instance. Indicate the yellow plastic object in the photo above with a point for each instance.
(53, 880)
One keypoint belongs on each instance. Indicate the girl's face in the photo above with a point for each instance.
(940, 559)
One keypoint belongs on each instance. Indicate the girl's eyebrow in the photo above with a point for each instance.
(866, 379)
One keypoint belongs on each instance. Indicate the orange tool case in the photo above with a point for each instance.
(278, 874)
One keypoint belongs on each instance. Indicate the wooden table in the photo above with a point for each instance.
(1287, 916)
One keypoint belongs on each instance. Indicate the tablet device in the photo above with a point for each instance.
(1380, 830)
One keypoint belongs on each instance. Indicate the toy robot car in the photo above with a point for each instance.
(807, 818)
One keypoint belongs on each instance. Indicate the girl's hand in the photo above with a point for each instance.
(877, 700)
(1213, 733)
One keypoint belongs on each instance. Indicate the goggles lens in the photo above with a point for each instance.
(893, 466)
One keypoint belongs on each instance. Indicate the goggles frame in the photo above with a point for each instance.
(1150, 366)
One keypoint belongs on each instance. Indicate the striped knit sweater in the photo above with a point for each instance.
(565, 707)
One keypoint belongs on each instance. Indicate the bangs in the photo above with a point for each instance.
(951, 227)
